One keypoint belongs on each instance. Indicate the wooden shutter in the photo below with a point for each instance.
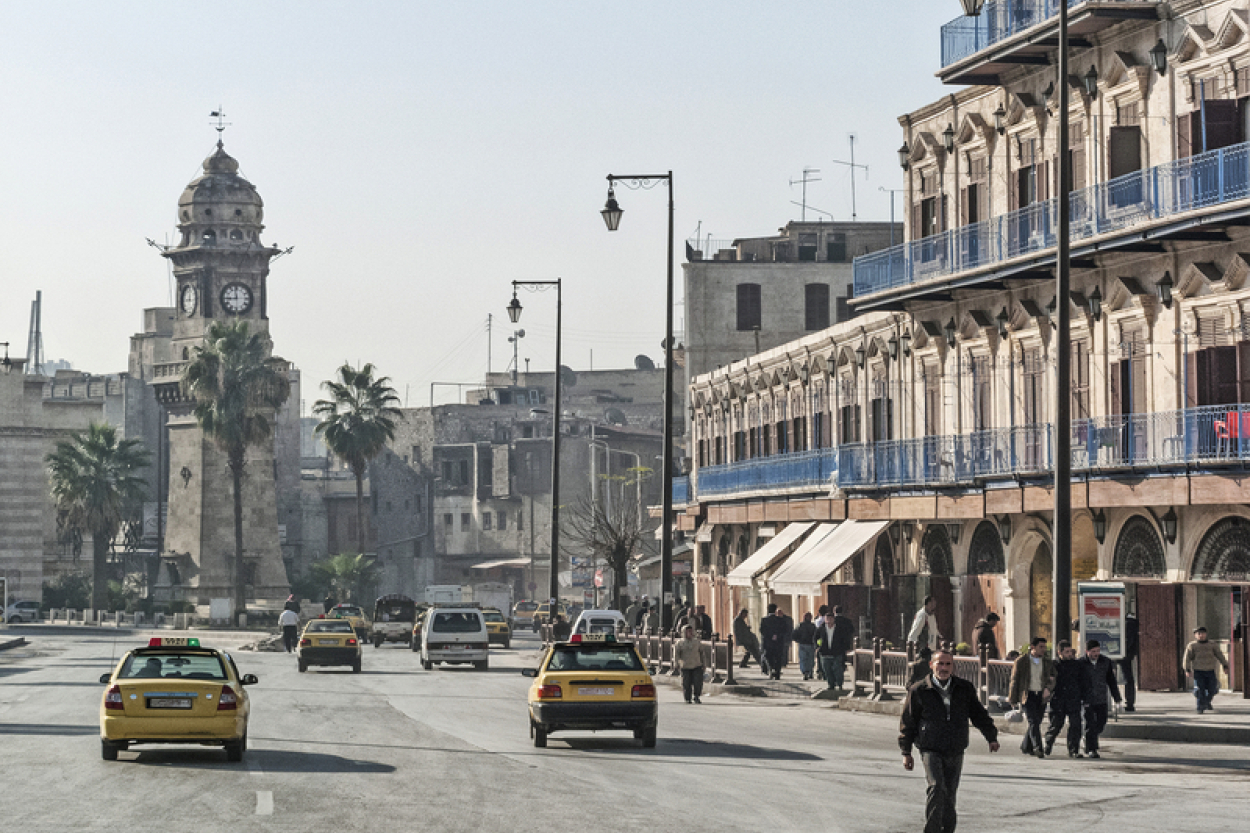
(917, 220)
(1191, 380)
(963, 207)
(1124, 152)
(1243, 371)
(1042, 180)
(1223, 124)
(1115, 378)
(942, 222)
(1078, 168)
(1224, 375)
(1184, 136)
(1159, 660)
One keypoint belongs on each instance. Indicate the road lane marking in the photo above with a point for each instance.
(264, 803)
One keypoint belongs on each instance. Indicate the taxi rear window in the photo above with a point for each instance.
(492, 616)
(325, 626)
(525, 607)
(457, 623)
(594, 657)
(173, 667)
(348, 611)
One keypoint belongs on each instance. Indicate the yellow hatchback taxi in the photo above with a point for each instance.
(328, 642)
(497, 630)
(592, 682)
(355, 614)
(175, 691)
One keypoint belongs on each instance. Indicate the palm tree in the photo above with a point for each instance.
(349, 575)
(236, 386)
(356, 424)
(97, 488)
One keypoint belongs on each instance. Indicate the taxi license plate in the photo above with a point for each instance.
(596, 692)
(169, 703)
(327, 642)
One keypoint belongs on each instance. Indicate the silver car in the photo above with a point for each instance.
(19, 612)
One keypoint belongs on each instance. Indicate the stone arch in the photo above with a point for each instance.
(985, 552)
(882, 562)
(1138, 550)
(936, 557)
(1224, 554)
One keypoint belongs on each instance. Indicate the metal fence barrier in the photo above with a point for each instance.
(884, 675)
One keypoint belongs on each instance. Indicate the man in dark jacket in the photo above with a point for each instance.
(1098, 674)
(1131, 644)
(747, 640)
(983, 635)
(805, 637)
(702, 623)
(775, 637)
(1065, 703)
(936, 715)
(834, 640)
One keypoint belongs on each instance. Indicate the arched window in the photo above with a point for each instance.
(985, 553)
(935, 551)
(1224, 554)
(1138, 550)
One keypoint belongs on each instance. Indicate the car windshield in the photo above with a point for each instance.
(173, 667)
(597, 625)
(328, 626)
(526, 607)
(594, 658)
(493, 616)
(347, 611)
(457, 623)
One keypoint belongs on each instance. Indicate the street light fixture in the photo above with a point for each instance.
(514, 314)
(1159, 57)
(1168, 522)
(1095, 304)
(1100, 526)
(950, 332)
(1164, 288)
(1000, 119)
(904, 156)
(948, 138)
(972, 8)
(892, 346)
(906, 343)
(860, 356)
(1004, 529)
(1090, 82)
(1002, 318)
(612, 218)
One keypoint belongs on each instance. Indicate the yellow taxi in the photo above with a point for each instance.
(592, 682)
(497, 630)
(329, 642)
(175, 691)
(543, 613)
(523, 614)
(355, 614)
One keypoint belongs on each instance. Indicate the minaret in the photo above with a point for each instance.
(221, 267)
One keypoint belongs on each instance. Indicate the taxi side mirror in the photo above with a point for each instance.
(525, 672)
(248, 679)
(104, 678)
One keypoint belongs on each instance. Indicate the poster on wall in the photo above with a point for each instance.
(1101, 609)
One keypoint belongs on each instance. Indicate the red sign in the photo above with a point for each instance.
(598, 578)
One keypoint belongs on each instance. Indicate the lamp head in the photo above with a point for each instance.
(948, 138)
(950, 332)
(612, 211)
(1164, 288)
(972, 8)
(1095, 304)
(1090, 82)
(1159, 57)
(904, 156)
(514, 309)
(906, 343)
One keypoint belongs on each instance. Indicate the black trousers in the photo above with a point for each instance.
(1034, 712)
(1059, 714)
(941, 773)
(1095, 722)
(692, 682)
(1130, 684)
(290, 639)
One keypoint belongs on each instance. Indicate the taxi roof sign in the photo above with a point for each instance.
(593, 637)
(173, 642)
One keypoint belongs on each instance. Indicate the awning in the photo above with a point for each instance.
(704, 534)
(768, 554)
(503, 562)
(679, 550)
(816, 560)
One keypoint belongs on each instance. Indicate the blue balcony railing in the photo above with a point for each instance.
(1210, 435)
(1173, 188)
(999, 20)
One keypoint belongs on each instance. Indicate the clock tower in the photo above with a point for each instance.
(221, 267)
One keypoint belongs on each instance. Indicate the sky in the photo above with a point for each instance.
(420, 156)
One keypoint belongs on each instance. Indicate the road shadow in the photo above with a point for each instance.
(48, 729)
(690, 748)
(266, 760)
(1143, 763)
(57, 684)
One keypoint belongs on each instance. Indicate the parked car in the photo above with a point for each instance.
(25, 611)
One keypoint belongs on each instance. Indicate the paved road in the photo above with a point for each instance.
(400, 748)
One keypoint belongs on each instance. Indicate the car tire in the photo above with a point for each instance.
(235, 751)
(108, 751)
(15, 620)
(303, 666)
(648, 737)
(356, 667)
(540, 737)
(482, 665)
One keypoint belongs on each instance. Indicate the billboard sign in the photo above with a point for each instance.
(1102, 608)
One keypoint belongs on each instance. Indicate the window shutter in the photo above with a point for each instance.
(963, 207)
(1117, 401)
(1078, 168)
(1191, 383)
(1243, 371)
(917, 220)
(942, 226)
(1184, 136)
(1013, 190)
(1223, 124)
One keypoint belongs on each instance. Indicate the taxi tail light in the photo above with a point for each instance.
(643, 691)
(550, 692)
(577, 637)
(227, 701)
(305, 641)
(113, 699)
(351, 641)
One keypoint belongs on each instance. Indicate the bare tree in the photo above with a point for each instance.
(611, 531)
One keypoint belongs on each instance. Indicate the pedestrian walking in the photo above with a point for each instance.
(688, 652)
(983, 636)
(833, 642)
(560, 629)
(328, 603)
(1202, 657)
(289, 621)
(936, 718)
(919, 669)
(747, 640)
(702, 622)
(1131, 647)
(819, 621)
(631, 614)
(924, 627)
(805, 637)
(291, 603)
(1098, 675)
(774, 636)
(652, 619)
(1065, 701)
(1032, 681)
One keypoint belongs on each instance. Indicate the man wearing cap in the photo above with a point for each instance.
(1202, 658)
(1098, 674)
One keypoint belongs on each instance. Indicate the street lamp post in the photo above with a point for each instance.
(612, 217)
(514, 314)
(1061, 523)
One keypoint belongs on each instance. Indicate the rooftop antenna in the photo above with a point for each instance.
(852, 166)
(222, 124)
(34, 342)
(807, 177)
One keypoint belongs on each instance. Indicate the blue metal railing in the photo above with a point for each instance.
(681, 490)
(1173, 188)
(1210, 435)
(999, 20)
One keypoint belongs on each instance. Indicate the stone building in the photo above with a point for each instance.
(924, 429)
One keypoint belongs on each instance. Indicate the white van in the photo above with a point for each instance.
(599, 621)
(455, 635)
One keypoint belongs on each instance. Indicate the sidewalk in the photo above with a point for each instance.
(1163, 716)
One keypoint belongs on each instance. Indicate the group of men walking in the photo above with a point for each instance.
(823, 643)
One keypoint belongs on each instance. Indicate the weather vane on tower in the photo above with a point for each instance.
(222, 124)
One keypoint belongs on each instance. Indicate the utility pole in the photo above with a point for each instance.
(852, 166)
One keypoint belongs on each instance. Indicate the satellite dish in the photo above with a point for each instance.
(642, 362)
(615, 416)
(567, 377)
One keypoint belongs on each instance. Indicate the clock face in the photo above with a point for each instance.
(236, 298)
(188, 299)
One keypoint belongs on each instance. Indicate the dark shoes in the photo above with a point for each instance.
(1073, 753)
(1130, 708)
(1050, 745)
(1093, 754)
(698, 701)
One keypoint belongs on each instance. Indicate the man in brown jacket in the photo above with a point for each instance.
(1202, 658)
(1032, 681)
